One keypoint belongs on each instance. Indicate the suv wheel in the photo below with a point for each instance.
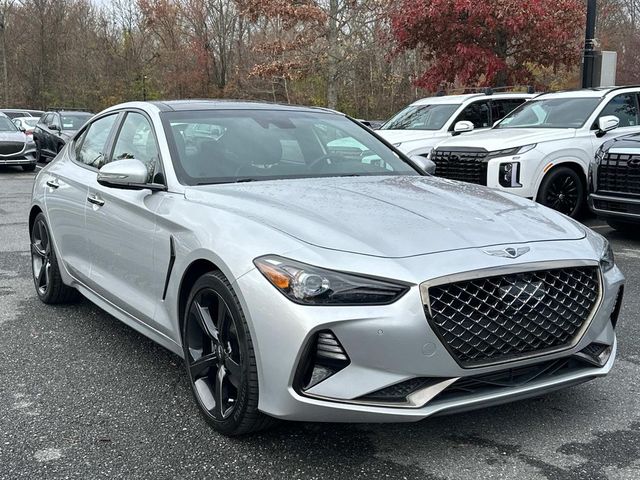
(219, 358)
(563, 190)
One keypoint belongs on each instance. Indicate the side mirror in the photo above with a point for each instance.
(607, 123)
(462, 127)
(53, 126)
(128, 174)
(424, 164)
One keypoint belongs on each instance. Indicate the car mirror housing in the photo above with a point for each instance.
(129, 174)
(424, 164)
(607, 123)
(462, 127)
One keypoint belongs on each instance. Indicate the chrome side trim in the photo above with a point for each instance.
(518, 268)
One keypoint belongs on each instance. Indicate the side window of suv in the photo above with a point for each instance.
(46, 119)
(136, 139)
(476, 113)
(91, 144)
(624, 107)
(500, 108)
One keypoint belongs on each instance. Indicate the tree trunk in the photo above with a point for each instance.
(501, 51)
(332, 60)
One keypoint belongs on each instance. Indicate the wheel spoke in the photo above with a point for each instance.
(233, 371)
(222, 410)
(202, 364)
(205, 321)
(43, 275)
(37, 250)
(44, 237)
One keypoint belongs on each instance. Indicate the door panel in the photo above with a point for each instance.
(65, 208)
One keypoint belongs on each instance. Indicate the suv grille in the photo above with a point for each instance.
(619, 173)
(9, 148)
(464, 165)
(496, 319)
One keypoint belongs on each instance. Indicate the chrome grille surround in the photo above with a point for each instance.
(505, 314)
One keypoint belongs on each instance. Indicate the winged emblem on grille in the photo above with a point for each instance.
(509, 252)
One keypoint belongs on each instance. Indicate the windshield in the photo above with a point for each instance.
(421, 117)
(7, 125)
(30, 122)
(73, 121)
(219, 146)
(551, 113)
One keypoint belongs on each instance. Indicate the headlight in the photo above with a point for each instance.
(397, 144)
(512, 151)
(311, 285)
(607, 260)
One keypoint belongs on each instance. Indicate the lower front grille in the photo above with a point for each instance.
(9, 148)
(463, 165)
(501, 318)
(619, 173)
(618, 207)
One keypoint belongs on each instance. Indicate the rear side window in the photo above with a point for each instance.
(500, 108)
(625, 108)
(476, 113)
(90, 146)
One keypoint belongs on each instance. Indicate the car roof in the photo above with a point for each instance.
(223, 104)
(598, 92)
(25, 118)
(458, 99)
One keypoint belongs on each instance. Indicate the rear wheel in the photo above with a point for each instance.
(563, 190)
(219, 358)
(44, 263)
(628, 228)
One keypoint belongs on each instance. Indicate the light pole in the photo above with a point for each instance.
(588, 58)
(144, 88)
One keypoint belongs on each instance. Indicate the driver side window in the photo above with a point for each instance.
(91, 144)
(137, 140)
(476, 113)
(624, 107)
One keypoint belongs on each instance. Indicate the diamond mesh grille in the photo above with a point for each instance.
(494, 319)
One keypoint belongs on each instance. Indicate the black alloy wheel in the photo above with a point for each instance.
(219, 358)
(44, 264)
(562, 190)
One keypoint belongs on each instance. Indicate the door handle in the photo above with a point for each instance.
(53, 183)
(96, 200)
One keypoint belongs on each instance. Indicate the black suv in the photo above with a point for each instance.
(55, 128)
(614, 183)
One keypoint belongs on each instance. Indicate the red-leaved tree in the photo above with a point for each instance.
(489, 42)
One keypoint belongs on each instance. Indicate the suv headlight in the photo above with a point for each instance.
(309, 285)
(607, 260)
(511, 151)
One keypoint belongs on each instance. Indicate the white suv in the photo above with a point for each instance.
(420, 126)
(542, 150)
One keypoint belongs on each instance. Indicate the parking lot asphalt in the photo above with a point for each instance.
(84, 396)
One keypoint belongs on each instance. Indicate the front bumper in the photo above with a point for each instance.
(25, 157)
(617, 207)
(394, 343)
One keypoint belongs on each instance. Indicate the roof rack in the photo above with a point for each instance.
(442, 91)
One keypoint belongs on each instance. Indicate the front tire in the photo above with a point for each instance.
(563, 190)
(44, 263)
(219, 357)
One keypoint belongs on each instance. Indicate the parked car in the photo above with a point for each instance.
(301, 284)
(36, 113)
(54, 129)
(543, 149)
(423, 124)
(26, 124)
(16, 148)
(15, 113)
(615, 183)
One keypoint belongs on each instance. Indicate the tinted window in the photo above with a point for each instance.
(551, 113)
(91, 144)
(137, 140)
(246, 145)
(476, 113)
(421, 117)
(47, 119)
(73, 121)
(500, 108)
(624, 107)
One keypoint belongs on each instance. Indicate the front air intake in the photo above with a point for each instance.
(323, 357)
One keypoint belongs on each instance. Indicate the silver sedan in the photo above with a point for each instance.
(306, 270)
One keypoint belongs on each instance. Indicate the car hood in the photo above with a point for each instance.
(502, 138)
(12, 137)
(394, 216)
